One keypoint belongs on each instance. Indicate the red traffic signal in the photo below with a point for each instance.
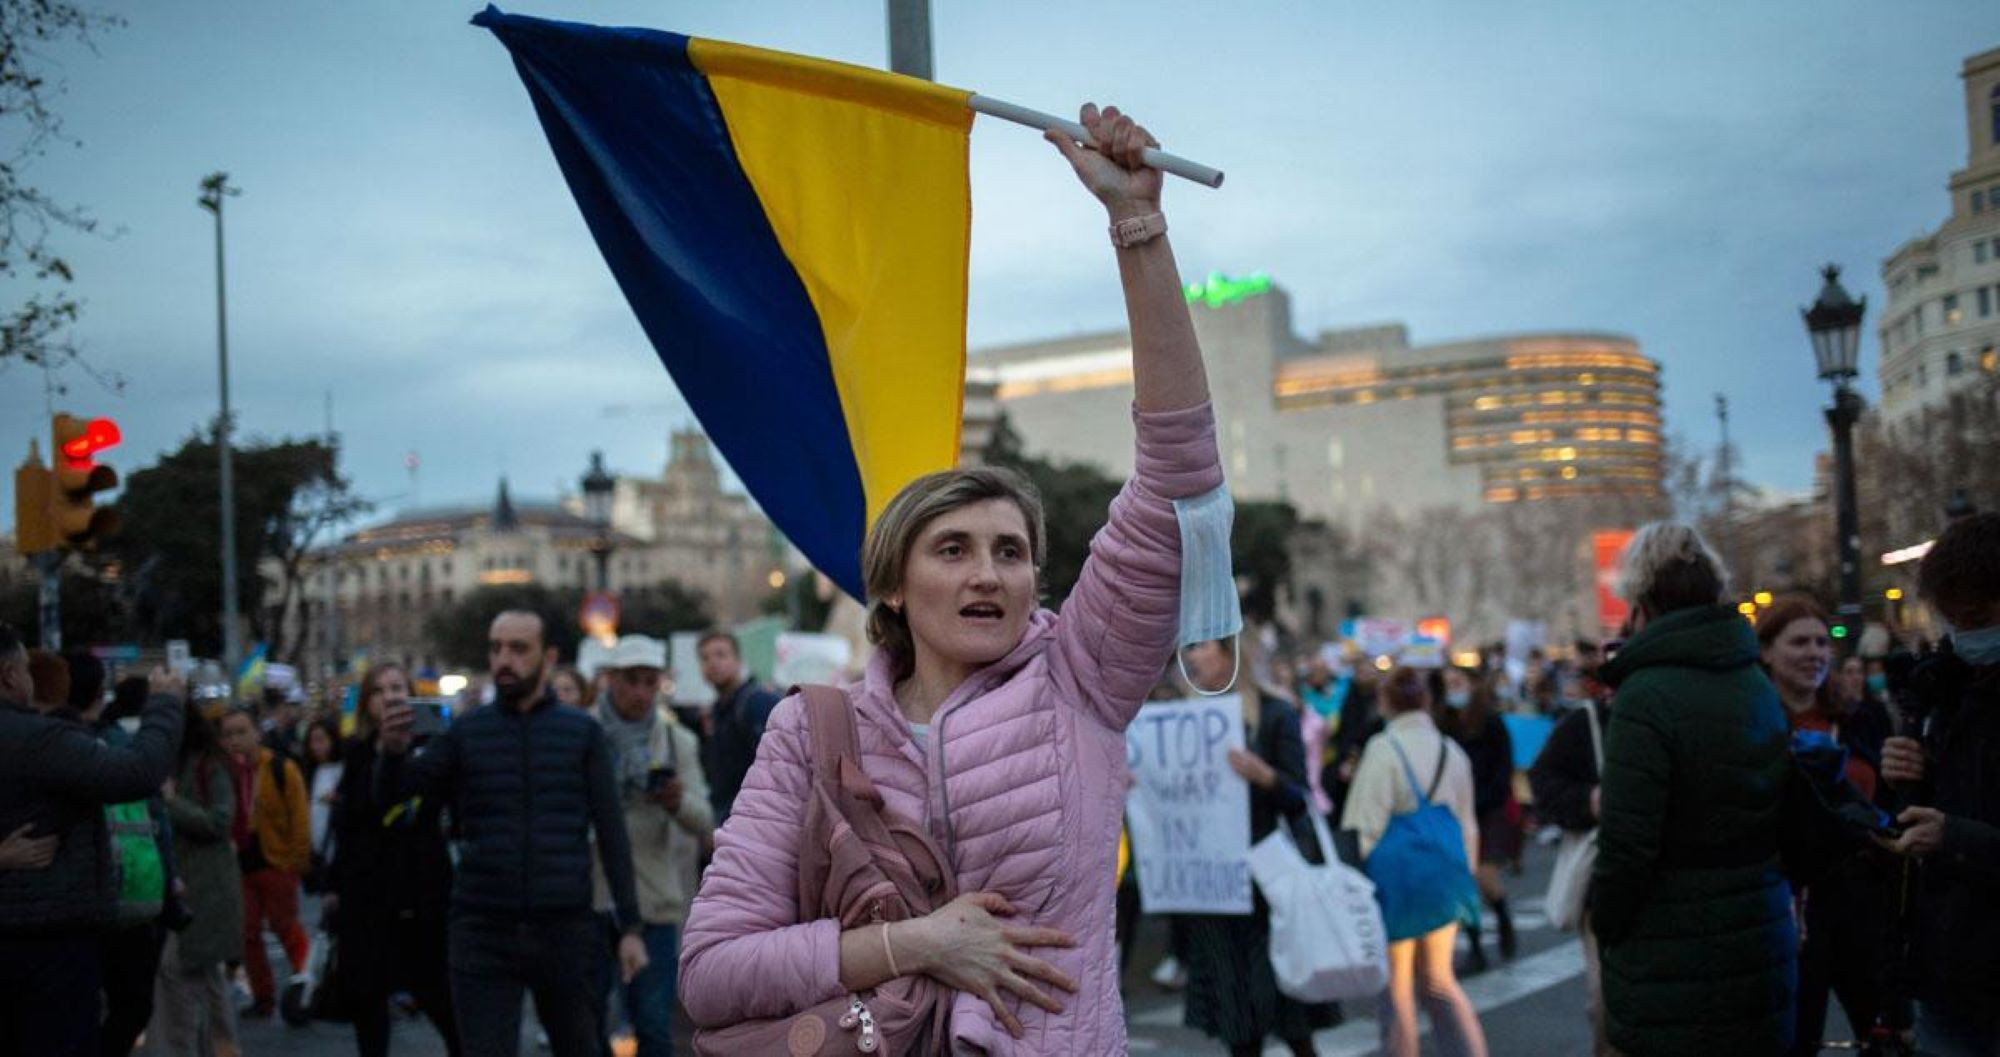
(79, 441)
(73, 511)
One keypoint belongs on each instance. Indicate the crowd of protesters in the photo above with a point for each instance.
(927, 857)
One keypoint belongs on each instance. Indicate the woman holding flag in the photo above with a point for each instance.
(999, 723)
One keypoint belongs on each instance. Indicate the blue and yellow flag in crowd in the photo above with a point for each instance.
(792, 235)
(250, 674)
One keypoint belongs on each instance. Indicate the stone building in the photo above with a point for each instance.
(374, 589)
(1941, 327)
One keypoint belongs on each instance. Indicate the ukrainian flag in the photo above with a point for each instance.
(792, 235)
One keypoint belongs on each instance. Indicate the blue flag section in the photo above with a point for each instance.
(791, 235)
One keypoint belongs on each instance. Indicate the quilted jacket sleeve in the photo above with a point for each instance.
(1117, 630)
(745, 954)
(1638, 770)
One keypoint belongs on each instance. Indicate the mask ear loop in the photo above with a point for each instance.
(1235, 654)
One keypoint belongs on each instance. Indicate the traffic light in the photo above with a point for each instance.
(73, 512)
(33, 532)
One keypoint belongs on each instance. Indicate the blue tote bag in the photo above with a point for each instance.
(1421, 877)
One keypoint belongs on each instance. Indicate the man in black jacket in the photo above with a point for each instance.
(55, 778)
(736, 723)
(1953, 767)
(528, 781)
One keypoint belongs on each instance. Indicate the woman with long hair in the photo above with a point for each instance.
(1467, 711)
(323, 768)
(1420, 969)
(999, 722)
(191, 1000)
(1846, 906)
(389, 885)
(1689, 899)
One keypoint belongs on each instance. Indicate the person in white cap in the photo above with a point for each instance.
(668, 815)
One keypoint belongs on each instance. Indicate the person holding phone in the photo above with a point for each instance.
(668, 816)
(389, 884)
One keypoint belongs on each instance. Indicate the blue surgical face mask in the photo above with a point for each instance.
(1210, 609)
(1457, 699)
(1877, 682)
(1978, 647)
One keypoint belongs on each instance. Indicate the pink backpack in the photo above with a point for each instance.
(859, 863)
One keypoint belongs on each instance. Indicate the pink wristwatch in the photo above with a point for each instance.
(1134, 230)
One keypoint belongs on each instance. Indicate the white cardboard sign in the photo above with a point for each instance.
(1189, 814)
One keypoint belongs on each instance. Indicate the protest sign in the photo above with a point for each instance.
(1189, 813)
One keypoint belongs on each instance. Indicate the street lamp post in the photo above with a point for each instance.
(597, 488)
(214, 188)
(1834, 322)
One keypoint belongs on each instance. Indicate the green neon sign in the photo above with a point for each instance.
(1219, 290)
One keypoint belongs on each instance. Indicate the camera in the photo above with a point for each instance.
(658, 777)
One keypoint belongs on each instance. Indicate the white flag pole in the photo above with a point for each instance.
(1158, 159)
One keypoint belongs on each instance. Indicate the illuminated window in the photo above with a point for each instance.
(1502, 495)
(1989, 359)
(1952, 315)
(1569, 473)
(1488, 403)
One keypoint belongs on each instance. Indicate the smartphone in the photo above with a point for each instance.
(429, 716)
(658, 777)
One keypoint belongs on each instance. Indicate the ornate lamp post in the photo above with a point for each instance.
(1834, 322)
(597, 488)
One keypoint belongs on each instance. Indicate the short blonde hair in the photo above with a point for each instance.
(1668, 566)
(886, 554)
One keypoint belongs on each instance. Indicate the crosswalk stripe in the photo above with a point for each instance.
(1489, 990)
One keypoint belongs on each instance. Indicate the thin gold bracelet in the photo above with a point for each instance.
(890, 952)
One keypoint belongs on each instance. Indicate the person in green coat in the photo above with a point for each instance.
(190, 996)
(1690, 900)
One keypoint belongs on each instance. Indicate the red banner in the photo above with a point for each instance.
(1608, 545)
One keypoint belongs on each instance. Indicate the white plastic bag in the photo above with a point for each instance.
(1570, 882)
(1327, 940)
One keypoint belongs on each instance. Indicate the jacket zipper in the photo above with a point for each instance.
(527, 813)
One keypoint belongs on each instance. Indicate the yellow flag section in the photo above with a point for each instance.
(864, 178)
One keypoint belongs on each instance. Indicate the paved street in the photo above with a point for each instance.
(1531, 1007)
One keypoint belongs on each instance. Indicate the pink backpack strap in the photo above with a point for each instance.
(836, 744)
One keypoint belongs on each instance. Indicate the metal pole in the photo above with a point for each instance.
(215, 188)
(1841, 417)
(910, 38)
(48, 610)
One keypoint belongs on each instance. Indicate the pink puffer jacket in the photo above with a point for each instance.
(1022, 783)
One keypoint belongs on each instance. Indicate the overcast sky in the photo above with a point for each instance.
(405, 242)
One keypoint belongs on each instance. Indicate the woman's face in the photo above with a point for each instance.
(969, 584)
(391, 688)
(1853, 679)
(319, 744)
(568, 690)
(1457, 681)
(1800, 656)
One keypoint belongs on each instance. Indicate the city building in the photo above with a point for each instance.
(1460, 480)
(1941, 327)
(374, 589)
(1358, 421)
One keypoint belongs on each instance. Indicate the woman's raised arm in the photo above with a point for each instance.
(1167, 372)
